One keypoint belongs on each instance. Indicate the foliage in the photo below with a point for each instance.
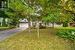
(66, 17)
(66, 33)
(67, 12)
(17, 10)
(3, 14)
(51, 11)
(51, 17)
(68, 5)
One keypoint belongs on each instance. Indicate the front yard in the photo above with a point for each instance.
(29, 41)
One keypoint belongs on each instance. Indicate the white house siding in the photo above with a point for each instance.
(23, 25)
(55, 25)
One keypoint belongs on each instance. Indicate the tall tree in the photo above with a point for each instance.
(68, 12)
(51, 10)
(18, 10)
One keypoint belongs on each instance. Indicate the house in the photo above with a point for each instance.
(23, 23)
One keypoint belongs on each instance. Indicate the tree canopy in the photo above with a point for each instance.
(47, 10)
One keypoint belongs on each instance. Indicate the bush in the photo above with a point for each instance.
(66, 33)
(41, 26)
(12, 26)
(65, 24)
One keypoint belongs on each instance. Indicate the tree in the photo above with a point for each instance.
(51, 11)
(52, 18)
(67, 11)
(18, 10)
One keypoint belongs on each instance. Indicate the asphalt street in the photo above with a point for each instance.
(7, 33)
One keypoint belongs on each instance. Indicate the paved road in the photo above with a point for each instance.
(7, 33)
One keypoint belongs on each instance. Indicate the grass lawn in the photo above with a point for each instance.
(29, 41)
(65, 27)
(4, 28)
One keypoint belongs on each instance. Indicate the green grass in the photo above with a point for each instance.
(29, 41)
(4, 28)
(65, 27)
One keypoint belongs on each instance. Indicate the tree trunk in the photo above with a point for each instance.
(1, 23)
(34, 24)
(53, 24)
(29, 25)
(17, 24)
(4, 22)
(45, 24)
(38, 29)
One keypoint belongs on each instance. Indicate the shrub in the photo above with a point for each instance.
(66, 33)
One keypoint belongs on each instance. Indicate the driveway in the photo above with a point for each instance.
(7, 33)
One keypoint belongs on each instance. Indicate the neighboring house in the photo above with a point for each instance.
(23, 22)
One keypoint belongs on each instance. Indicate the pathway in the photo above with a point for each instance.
(7, 33)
